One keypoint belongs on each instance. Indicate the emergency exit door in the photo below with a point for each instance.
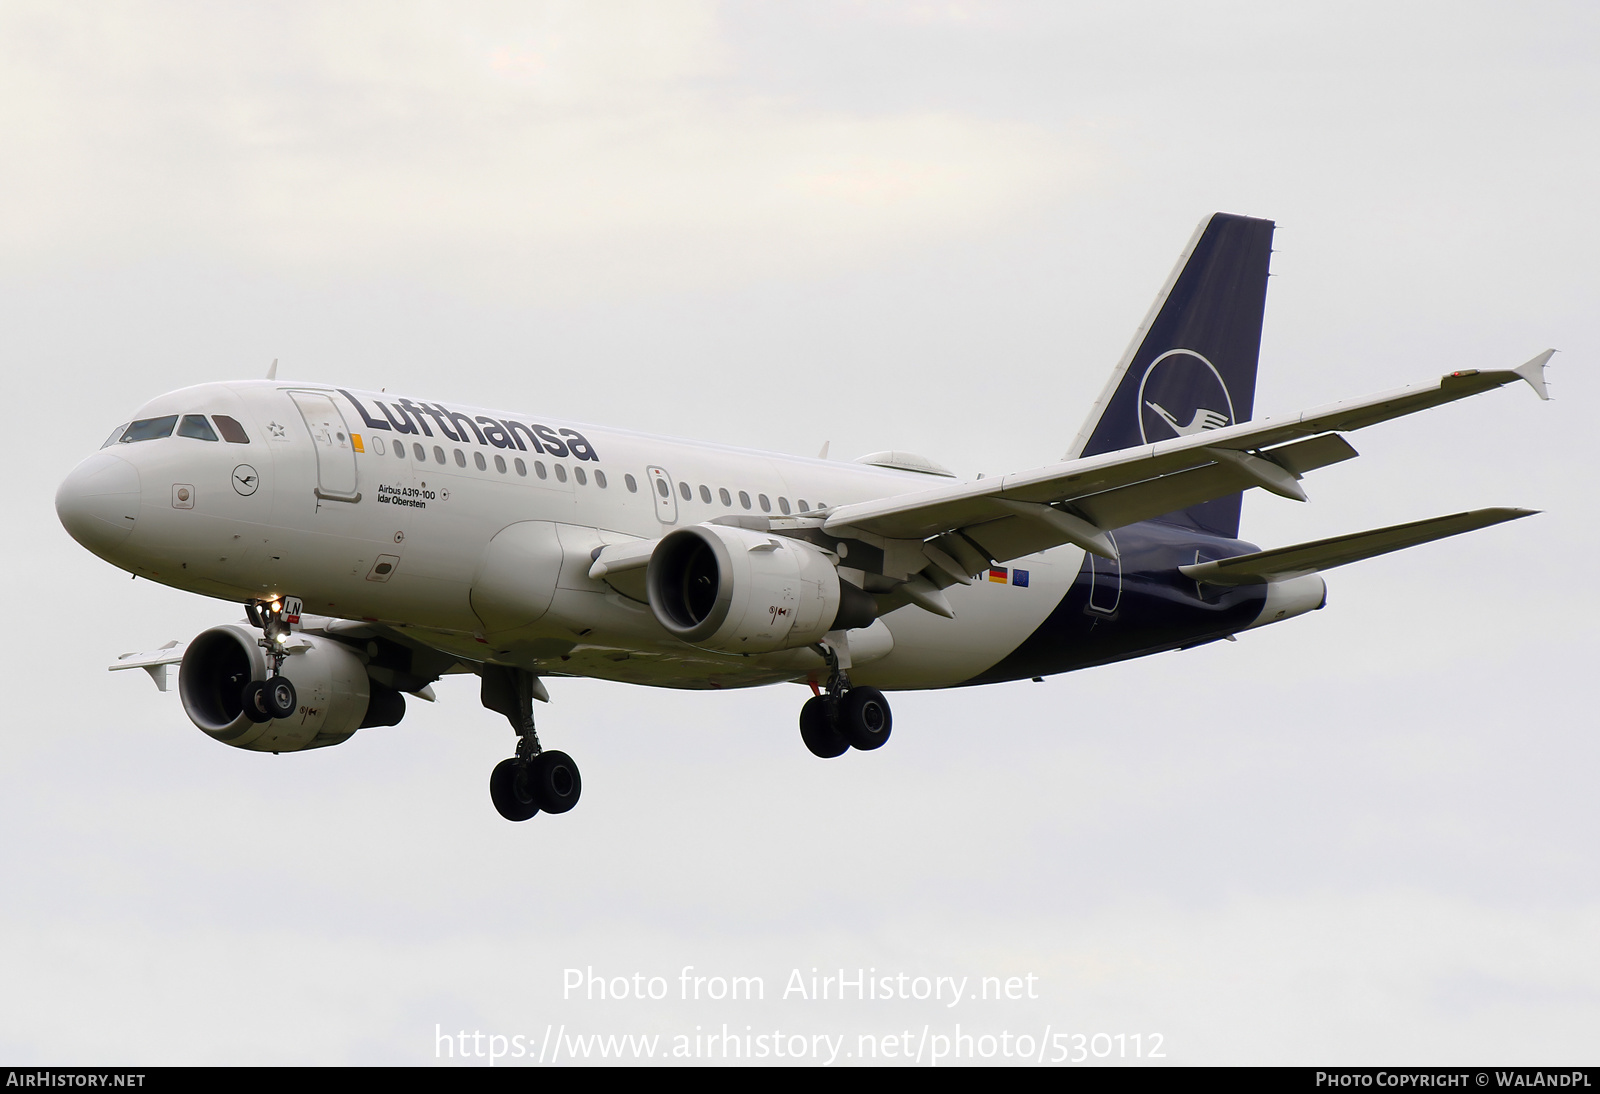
(666, 501)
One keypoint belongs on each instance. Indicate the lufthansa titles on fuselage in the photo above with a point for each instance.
(408, 416)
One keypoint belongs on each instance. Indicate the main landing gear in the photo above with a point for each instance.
(274, 697)
(533, 779)
(843, 717)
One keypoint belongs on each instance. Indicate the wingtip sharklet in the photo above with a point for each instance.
(1533, 372)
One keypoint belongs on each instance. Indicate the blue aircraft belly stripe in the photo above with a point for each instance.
(1144, 606)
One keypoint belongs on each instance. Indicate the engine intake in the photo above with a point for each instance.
(738, 591)
(336, 697)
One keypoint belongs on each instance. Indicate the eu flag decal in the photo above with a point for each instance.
(998, 576)
(1019, 578)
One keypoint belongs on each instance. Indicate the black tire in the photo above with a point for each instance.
(819, 733)
(254, 701)
(556, 781)
(864, 718)
(279, 698)
(511, 790)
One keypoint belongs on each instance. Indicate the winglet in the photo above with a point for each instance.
(272, 370)
(1533, 372)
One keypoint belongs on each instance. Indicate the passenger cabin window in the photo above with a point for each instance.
(231, 430)
(577, 473)
(561, 472)
(600, 479)
(461, 461)
(416, 451)
(438, 453)
(804, 508)
(500, 464)
(116, 435)
(538, 469)
(522, 468)
(727, 499)
(400, 449)
(766, 506)
(478, 462)
(631, 483)
(149, 429)
(783, 506)
(705, 493)
(744, 499)
(684, 489)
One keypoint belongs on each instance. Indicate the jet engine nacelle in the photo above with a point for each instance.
(335, 695)
(738, 591)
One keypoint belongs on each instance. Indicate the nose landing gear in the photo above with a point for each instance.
(843, 717)
(533, 779)
(275, 696)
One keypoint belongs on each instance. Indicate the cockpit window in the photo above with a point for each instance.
(149, 429)
(232, 431)
(196, 426)
(116, 435)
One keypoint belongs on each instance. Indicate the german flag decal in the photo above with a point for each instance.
(999, 576)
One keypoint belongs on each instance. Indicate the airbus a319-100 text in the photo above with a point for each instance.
(379, 542)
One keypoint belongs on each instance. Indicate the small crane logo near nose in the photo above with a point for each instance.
(245, 480)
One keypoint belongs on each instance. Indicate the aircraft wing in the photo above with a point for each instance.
(1079, 501)
(154, 663)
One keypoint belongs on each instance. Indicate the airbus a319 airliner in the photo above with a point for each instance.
(379, 542)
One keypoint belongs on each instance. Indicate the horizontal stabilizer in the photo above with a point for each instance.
(1284, 563)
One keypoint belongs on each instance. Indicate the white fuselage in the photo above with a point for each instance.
(380, 509)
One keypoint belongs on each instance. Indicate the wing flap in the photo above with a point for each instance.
(1283, 563)
(1012, 537)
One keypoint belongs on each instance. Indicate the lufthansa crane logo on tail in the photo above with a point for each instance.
(1180, 395)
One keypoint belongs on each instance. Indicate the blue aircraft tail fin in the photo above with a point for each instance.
(1192, 364)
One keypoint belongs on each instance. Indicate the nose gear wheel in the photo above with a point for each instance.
(274, 697)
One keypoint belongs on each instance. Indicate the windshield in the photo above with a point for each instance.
(149, 429)
(196, 426)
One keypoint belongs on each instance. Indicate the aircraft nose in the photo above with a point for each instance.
(99, 502)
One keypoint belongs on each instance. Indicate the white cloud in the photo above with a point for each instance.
(553, 147)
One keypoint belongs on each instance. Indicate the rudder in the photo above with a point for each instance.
(1192, 364)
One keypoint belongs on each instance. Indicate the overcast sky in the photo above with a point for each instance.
(1367, 835)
